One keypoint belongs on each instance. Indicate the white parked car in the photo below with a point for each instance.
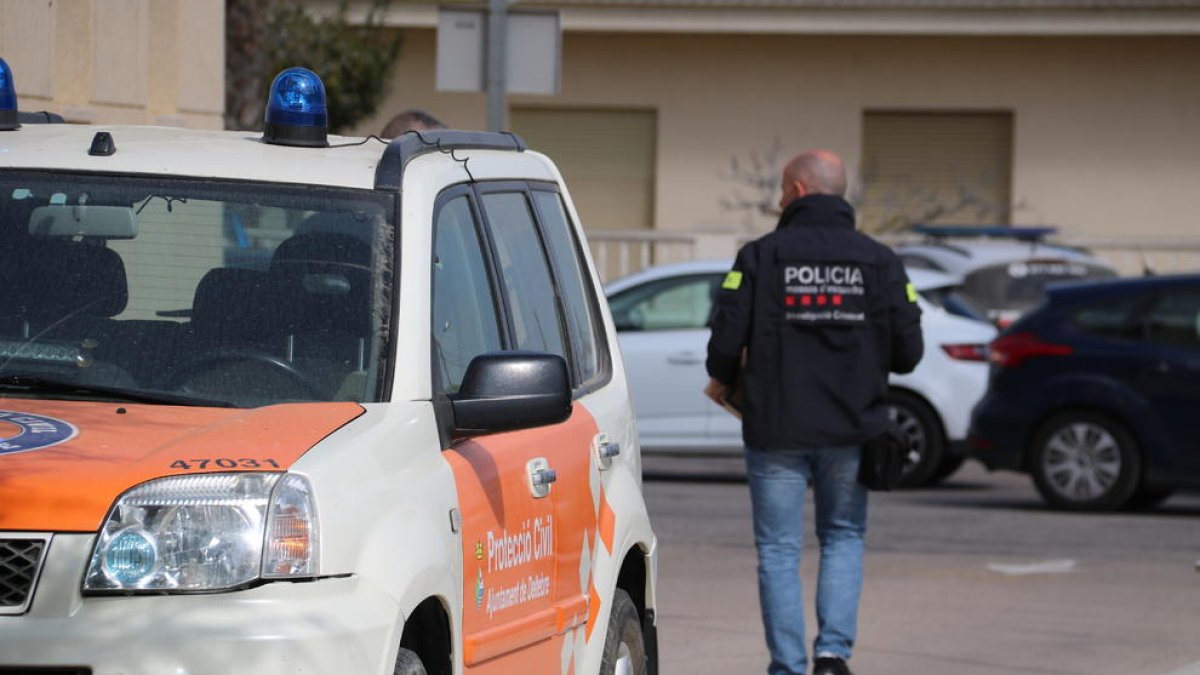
(662, 316)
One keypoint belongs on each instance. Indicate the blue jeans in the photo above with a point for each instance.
(778, 479)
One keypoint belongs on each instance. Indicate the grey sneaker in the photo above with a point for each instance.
(830, 665)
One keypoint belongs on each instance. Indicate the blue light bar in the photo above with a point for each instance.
(998, 231)
(296, 113)
(9, 118)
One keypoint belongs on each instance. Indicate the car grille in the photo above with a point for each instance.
(20, 562)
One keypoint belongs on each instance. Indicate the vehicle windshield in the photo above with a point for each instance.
(192, 291)
(1021, 285)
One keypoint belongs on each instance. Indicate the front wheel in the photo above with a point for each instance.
(624, 648)
(1084, 461)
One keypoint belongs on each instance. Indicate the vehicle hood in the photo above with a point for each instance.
(64, 463)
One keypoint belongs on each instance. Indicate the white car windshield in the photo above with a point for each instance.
(192, 291)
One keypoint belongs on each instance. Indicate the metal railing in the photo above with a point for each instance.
(618, 253)
(621, 252)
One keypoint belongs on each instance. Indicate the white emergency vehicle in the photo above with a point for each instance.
(308, 404)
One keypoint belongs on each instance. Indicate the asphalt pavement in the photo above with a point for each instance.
(974, 577)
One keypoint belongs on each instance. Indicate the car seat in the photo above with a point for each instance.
(58, 305)
(326, 283)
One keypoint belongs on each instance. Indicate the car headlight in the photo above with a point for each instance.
(208, 532)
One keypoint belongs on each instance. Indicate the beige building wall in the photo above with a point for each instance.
(118, 61)
(1106, 129)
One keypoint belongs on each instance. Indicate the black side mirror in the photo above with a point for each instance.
(503, 391)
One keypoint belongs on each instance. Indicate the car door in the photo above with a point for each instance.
(526, 496)
(1172, 382)
(662, 326)
(507, 522)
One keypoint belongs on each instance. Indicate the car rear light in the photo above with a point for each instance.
(1009, 351)
(966, 352)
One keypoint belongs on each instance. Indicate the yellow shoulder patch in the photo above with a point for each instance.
(912, 292)
(733, 281)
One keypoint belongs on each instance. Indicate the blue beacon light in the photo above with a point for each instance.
(296, 113)
(9, 119)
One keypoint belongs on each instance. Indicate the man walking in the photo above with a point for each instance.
(807, 324)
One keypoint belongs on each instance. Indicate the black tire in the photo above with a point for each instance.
(624, 643)
(926, 444)
(949, 465)
(1085, 461)
(408, 663)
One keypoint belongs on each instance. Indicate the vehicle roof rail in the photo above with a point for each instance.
(412, 144)
(40, 117)
(1019, 233)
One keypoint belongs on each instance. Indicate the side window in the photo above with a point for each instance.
(1176, 320)
(667, 304)
(1111, 318)
(528, 286)
(464, 310)
(574, 283)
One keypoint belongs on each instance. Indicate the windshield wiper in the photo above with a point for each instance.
(38, 385)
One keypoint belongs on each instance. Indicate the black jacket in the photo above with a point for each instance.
(823, 312)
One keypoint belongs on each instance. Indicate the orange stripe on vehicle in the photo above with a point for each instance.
(542, 657)
(572, 612)
(510, 636)
(593, 610)
(608, 522)
(70, 486)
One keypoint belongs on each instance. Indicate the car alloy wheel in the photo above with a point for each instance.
(1085, 461)
(1082, 461)
(918, 425)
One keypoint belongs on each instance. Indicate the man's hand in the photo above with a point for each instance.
(715, 389)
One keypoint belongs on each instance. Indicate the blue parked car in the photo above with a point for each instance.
(1096, 394)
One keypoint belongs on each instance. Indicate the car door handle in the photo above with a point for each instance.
(609, 450)
(541, 476)
(685, 358)
(605, 450)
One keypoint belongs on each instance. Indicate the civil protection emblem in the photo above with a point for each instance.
(478, 588)
(21, 431)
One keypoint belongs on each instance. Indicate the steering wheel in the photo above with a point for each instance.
(245, 376)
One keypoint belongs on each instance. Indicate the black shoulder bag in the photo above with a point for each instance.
(883, 460)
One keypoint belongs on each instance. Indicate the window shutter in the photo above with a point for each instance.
(606, 156)
(946, 168)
